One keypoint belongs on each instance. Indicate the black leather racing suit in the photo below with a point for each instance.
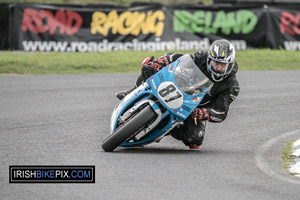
(217, 101)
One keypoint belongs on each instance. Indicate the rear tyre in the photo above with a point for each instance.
(133, 125)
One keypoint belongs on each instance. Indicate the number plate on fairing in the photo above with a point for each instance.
(170, 94)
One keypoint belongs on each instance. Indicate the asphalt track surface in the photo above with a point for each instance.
(63, 119)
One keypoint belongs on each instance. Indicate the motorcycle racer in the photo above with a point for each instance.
(219, 65)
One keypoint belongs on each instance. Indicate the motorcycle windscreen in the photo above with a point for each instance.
(189, 78)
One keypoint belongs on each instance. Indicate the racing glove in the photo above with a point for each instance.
(156, 63)
(200, 114)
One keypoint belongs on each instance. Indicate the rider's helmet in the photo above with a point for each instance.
(221, 51)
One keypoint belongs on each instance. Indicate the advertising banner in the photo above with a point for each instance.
(284, 29)
(51, 28)
(4, 24)
(151, 27)
(244, 27)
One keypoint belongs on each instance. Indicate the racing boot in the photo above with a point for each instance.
(122, 94)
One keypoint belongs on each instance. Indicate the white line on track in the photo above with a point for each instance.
(264, 166)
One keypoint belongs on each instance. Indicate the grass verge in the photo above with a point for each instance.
(286, 155)
(127, 61)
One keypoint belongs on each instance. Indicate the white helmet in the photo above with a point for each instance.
(220, 51)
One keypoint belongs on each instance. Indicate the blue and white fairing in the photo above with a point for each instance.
(179, 87)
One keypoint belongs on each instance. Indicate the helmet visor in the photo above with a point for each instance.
(219, 69)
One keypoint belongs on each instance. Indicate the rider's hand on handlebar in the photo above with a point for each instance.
(156, 63)
(200, 114)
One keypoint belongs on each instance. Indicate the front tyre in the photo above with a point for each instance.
(124, 132)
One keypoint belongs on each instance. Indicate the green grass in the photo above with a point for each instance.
(286, 155)
(70, 63)
(127, 62)
(268, 59)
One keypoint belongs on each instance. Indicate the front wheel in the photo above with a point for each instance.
(124, 132)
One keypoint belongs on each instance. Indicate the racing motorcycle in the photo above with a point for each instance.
(161, 103)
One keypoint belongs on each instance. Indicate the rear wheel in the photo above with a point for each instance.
(126, 131)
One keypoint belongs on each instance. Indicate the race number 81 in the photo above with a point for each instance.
(170, 94)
